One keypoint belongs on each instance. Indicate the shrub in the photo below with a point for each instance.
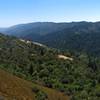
(41, 96)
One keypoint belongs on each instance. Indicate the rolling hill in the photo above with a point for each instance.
(33, 29)
(21, 58)
(75, 36)
(77, 76)
(84, 37)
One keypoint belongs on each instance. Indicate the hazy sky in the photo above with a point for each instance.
(24, 11)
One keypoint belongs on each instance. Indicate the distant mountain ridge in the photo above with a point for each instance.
(40, 28)
(74, 36)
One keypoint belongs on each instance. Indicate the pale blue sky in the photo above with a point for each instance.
(24, 11)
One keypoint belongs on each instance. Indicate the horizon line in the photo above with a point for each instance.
(48, 22)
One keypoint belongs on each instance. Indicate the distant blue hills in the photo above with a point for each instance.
(74, 36)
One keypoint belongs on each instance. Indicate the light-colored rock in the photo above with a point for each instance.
(65, 57)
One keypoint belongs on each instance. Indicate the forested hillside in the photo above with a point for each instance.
(83, 37)
(76, 76)
(75, 36)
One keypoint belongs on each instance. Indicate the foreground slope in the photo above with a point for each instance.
(12, 87)
(22, 58)
(77, 76)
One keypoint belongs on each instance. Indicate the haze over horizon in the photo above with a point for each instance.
(25, 11)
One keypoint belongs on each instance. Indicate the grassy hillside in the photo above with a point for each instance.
(14, 88)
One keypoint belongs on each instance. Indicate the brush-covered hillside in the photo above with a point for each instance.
(76, 76)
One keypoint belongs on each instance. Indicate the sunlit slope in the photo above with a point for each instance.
(12, 87)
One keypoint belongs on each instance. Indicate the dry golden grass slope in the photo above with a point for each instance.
(14, 88)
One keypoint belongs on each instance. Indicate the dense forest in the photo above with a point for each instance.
(78, 78)
(74, 36)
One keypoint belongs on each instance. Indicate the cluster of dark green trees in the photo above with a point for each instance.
(80, 78)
